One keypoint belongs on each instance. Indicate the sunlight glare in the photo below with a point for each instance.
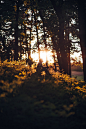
(43, 55)
(46, 56)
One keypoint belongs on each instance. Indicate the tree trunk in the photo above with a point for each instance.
(82, 27)
(68, 42)
(16, 33)
(58, 54)
(63, 53)
(69, 63)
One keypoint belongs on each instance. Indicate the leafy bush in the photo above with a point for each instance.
(48, 101)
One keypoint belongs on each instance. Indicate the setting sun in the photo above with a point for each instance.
(46, 56)
(43, 55)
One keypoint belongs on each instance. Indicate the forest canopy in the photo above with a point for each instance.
(49, 24)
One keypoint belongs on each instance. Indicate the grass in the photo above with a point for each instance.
(75, 69)
(78, 75)
(34, 101)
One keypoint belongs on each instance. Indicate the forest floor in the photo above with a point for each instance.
(31, 100)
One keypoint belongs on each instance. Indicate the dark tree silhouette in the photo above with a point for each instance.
(82, 27)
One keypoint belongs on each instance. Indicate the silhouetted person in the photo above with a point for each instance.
(40, 63)
(39, 66)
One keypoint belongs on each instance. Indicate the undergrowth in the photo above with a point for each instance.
(33, 100)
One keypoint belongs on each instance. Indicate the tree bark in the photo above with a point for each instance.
(82, 27)
(62, 46)
(63, 53)
(58, 54)
(68, 42)
(16, 33)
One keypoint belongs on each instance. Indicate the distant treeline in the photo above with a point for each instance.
(76, 68)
